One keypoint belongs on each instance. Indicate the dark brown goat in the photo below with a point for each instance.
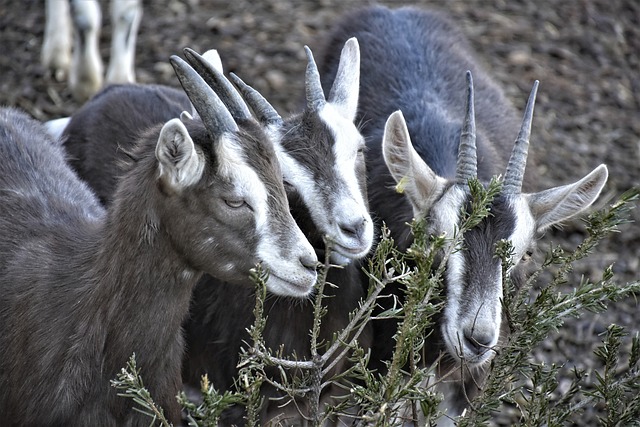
(414, 61)
(82, 289)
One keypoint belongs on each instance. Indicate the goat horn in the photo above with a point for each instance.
(219, 83)
(215, 116)
(267, 115)
(313, 87)
(518, 160)
(467, 166)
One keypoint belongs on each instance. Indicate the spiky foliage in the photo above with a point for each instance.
(130, 384)
(534, 311)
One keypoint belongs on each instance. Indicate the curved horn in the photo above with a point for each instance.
(267, 115)
(518, 160)
(467, 166)
(313, 87)
(215, 116)
(219, 83)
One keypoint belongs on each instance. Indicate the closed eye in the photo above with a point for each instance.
(235, 203)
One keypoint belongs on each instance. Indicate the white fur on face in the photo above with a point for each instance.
(524, 232)
(247, 185)
(482, 313)
(445, 219)
(280, 256)
(349, 207)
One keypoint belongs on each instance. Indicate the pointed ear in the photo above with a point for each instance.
(179, 163)
(344, 92)
(557, 204)
(213, 57)
(413, 177)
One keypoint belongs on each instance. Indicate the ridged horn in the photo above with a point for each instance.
(313, 87)
(264, 111)
(219, 83)
(467, 166)
(212, 111)
(517, 162)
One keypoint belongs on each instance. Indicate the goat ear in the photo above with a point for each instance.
(413, 177)
(344, 92)
(560, 203)
(213, 57)
(179, 162)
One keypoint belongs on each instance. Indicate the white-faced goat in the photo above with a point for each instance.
(71, 43)
(320, 151)
(414, 62)
(81, 289)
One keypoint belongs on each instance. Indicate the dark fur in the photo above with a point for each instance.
(221, 313)
(414, 60)
(82, 289)
(116, 104)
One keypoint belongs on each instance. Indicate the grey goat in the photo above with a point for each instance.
(411, 96)
(81, 288)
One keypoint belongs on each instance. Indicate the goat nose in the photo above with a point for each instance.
(309, 261)
(478, 342)
(354, 229)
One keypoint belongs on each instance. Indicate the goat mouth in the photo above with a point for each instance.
(476, 361)
(481, 359)
(351, 253)
(285, 287)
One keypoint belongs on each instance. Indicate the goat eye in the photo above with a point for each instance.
(235, 203)
(527, 255)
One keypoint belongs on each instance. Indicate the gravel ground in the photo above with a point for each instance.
(586, 54)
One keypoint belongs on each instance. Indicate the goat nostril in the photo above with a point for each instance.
(309, 262)
(354, 229)
(478, 342)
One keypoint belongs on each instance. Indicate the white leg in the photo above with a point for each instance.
(126, 16)
(56, 47)
(85, 77)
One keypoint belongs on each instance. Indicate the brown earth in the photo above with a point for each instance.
(586, 54)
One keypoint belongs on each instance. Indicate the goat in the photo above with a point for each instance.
(81, 289)
(413, 60)
(322, 159)
(82, 63)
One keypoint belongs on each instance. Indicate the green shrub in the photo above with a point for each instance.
(533, 312)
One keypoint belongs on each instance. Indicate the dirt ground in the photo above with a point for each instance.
(586, 54)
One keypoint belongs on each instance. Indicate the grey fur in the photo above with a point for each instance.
(414, 61)
(81, 288)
